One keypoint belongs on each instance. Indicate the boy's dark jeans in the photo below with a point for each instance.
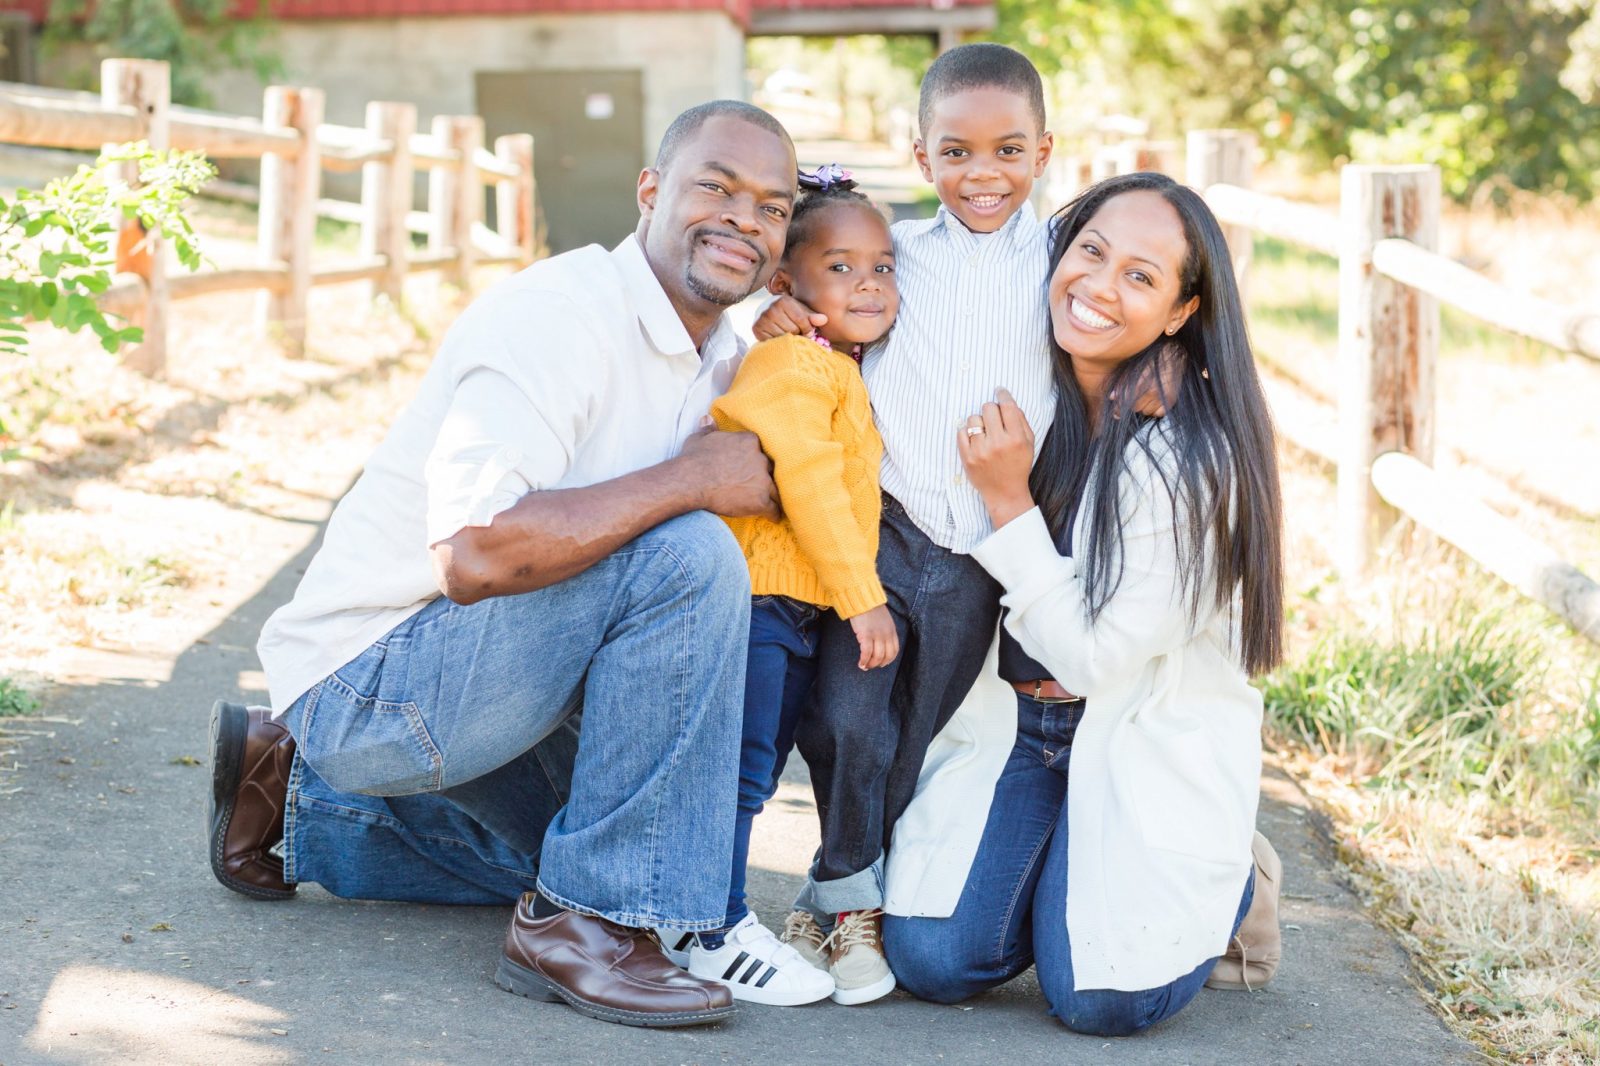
(867, 731)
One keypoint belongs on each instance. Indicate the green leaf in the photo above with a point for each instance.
(44, 299)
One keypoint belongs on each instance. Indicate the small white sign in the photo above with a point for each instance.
(599, 106)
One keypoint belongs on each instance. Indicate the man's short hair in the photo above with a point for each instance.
(686, 125)
(980, 66)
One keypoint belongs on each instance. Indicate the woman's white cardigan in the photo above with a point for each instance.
(1165, 765)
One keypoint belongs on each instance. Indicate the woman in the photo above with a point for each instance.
(1141, 562)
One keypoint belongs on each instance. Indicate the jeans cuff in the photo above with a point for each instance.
(862, 890)
(631, 919)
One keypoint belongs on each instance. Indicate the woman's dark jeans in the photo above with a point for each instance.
(1012, 912)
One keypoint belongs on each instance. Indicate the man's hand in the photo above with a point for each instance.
(732, 473)
(787, 315)
(880, 641)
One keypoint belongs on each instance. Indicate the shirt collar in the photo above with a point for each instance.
(656, 313)
(1018, 229)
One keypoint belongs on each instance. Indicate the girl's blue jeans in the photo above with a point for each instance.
(779, 671)
(1012, 911)
(449, 762)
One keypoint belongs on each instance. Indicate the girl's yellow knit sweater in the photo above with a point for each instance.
(809, 407)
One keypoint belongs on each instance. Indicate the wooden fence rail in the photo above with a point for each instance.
(1391, 281)
(295, 146)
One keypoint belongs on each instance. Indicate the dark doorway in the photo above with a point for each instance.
(588, 131)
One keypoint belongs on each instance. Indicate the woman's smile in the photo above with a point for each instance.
(1086, 317)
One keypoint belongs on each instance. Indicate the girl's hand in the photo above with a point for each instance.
(787, 315)
(997, 449)
(880, 641)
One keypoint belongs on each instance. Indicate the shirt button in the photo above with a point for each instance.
(972, 309)
(513, 457)
(972, 260)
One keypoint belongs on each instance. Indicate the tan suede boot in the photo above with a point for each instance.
(1252, 957)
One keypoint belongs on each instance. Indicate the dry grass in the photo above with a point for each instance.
(134, 491)
(1451, 730)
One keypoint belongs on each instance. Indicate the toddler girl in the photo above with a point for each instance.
(804, 397)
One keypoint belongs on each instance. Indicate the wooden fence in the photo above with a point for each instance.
(1391, 279)
(295, 146)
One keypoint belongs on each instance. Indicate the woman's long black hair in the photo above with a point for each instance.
(1222, 477)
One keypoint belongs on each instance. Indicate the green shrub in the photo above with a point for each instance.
(15, 700)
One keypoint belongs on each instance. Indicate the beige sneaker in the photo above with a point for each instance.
(801, 932)
(1252, 958)
(860, 972)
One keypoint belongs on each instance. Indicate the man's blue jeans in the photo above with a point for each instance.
(448, 762)
(1012, 911)
(779, 671)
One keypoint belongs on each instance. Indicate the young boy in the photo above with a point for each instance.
(973, 318)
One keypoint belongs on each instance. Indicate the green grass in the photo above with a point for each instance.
(15, 700)
(1472, 702)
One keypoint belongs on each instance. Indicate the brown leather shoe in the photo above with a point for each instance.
(607, 971)
(250, 759)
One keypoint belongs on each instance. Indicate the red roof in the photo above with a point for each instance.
(34, 9)
(357, 9)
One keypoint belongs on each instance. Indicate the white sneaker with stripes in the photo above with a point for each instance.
(759, 968)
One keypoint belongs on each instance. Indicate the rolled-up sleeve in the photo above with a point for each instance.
(492, 450)
(512, 427)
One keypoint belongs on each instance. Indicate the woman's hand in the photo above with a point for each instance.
(997, 449)
(879, 640)
(787, 315)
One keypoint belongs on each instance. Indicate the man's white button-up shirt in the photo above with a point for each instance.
(574, 371)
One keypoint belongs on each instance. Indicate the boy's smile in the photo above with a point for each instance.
(982, 150)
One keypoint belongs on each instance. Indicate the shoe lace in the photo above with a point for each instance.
(855, 929)
(1244, 964)
(802, 926)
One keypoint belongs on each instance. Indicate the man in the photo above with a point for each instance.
(532, 539)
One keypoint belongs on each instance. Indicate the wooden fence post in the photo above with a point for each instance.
(514, 200)
(1224, 157)
(144, 85)
(1388, 345)
(455, 194)
(288, 219)
(1105, 163)
(386, 196)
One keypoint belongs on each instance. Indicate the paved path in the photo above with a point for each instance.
(116, 946)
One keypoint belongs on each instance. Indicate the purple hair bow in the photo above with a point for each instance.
(826, 176)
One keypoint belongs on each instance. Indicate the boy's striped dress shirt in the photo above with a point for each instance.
(973, 317)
